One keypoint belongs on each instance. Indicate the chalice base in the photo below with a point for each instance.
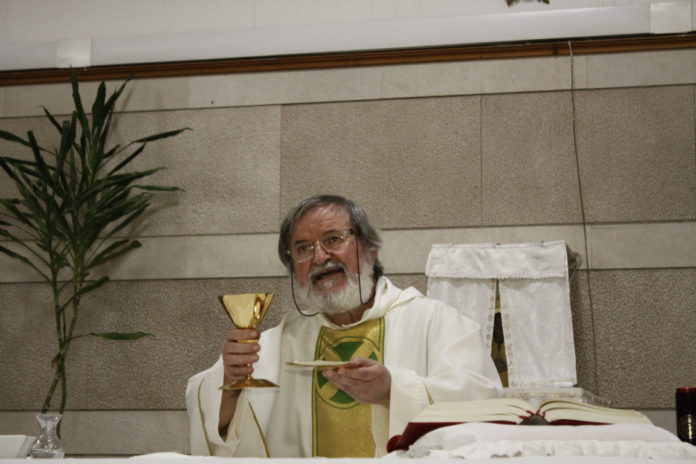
(248, 383)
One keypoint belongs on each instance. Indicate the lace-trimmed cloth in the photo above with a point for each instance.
(534, 303)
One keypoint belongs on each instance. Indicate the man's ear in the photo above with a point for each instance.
(373, 255)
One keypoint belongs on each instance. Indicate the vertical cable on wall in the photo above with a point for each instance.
(582, 210)
(481, 158)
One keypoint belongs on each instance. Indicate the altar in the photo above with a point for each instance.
(149, 459)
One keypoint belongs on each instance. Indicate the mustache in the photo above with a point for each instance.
(328, 266)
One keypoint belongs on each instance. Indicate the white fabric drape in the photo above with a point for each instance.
(489, 441)
(534, 303)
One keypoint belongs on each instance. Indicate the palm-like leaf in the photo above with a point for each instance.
(71, 203)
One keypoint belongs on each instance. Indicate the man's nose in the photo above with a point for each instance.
(320, 255)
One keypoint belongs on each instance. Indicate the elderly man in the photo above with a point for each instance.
(404, 351)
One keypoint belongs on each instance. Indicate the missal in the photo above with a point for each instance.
(515, 411)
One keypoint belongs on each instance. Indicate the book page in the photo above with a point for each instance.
(491, 404)
(555, 410)
(490, 410)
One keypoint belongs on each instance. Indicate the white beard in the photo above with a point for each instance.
(344, 299)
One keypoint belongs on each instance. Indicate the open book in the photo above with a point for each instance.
(511, 411)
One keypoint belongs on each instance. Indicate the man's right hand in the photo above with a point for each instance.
(237, 356)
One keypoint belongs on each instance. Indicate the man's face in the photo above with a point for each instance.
(326, 273)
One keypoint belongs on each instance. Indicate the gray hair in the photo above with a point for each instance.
(364, 231)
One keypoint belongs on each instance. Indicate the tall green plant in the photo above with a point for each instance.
(73, 202)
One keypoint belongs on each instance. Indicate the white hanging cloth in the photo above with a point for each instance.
(534, 303)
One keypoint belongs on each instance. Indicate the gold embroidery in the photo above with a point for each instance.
(258, 427)
(498, 352)
(342, 425)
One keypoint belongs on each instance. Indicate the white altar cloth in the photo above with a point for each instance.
(494, 441)
(216, 460)
(447, 445)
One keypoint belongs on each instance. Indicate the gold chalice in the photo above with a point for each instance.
(247, 310)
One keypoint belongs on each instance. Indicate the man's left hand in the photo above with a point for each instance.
(365, 380)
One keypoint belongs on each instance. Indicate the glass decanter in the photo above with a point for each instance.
(48, 444)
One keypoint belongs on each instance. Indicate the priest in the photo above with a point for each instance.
(400, 351)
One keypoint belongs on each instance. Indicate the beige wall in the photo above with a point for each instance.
(455, 152)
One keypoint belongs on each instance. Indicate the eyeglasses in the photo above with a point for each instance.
(331, 242)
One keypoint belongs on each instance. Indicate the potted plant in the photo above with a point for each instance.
(72, 203)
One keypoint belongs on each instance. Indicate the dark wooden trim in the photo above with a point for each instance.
(352, 59)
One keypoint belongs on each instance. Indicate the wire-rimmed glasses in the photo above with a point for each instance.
(331, 242)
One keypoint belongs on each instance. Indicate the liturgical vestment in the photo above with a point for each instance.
(431, 351)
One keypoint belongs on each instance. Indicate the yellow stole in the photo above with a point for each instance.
(342, 426)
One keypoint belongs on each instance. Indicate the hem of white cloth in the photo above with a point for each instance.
(597, 448)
